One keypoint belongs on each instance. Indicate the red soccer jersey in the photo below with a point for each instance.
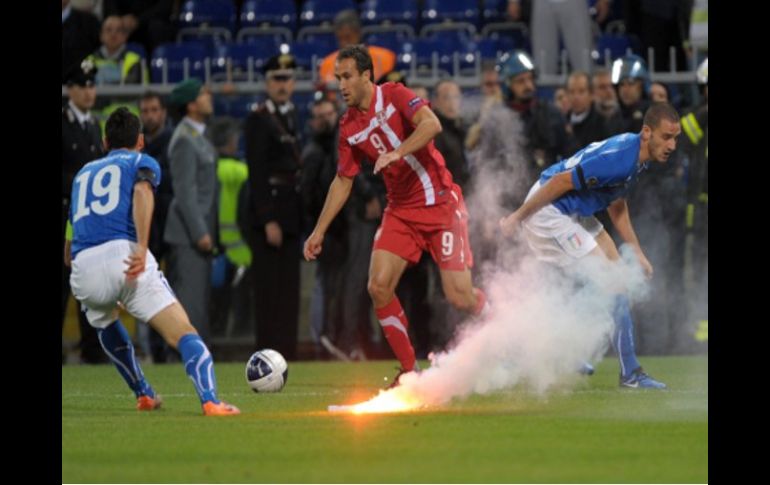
(417, 180)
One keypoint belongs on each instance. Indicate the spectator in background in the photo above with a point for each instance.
(605, 97)
(561, 101)
(447, 104)
(79, 37)
(319, 159)
(157, 135)
(229, 293)
(491, 94)
(148, 22)
(660, 25)
(273, 157)
(116, 64)
(659, 93)
(630, 76)
(584, 121)
(81, 143)
(191, 220)
(347, 29)
(570, 20)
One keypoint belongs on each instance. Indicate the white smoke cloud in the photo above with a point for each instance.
(542, 325)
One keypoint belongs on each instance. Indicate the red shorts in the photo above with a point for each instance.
(442, 230)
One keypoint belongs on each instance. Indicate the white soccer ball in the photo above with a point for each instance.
(266, 371)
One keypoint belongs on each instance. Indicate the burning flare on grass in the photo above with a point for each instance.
(395, 400)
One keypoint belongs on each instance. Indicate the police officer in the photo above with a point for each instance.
(273, 158)
(632, 81)
(81, 143)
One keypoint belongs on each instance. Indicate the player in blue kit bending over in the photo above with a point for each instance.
(112, 204)
(558, 220)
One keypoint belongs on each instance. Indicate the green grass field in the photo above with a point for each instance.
(594, 432)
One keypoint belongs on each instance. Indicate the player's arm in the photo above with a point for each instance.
(618, 212)
(143, 203)
(339, 191)
(556, 186)
(427, 126)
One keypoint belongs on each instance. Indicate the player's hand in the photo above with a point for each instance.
(645, 263)
(274, 234)
(509, 225)
(386, 159)
(313, 246)
(204, 244)
(136, 262)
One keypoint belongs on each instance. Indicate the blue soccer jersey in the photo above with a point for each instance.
(601, 173)
(102, 198)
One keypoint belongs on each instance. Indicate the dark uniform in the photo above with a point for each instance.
(694, 143)
(81, 143)
(273, 157)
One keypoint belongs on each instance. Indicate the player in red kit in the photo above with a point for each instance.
(425, 210)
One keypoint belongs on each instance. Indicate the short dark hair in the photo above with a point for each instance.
(148, 95)
(658, 112)
(360, 54)
(347, 18)
(122, 129)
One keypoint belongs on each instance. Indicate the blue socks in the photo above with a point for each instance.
(199, 366)
(118, 347)
(623, 336)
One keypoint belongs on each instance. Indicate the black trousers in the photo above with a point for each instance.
(276, 293)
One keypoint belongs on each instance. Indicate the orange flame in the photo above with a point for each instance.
(393, 401)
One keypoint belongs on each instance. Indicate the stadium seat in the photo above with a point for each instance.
(276, 13)
(239, 55)
(374, 12)
(316, 12)
(211, 13)
(171, 57)
(435, 11)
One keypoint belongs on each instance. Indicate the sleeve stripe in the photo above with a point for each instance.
(581, 177)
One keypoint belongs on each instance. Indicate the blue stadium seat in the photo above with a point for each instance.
(211, 13)
(239, 58)
(304, 51)
(238, 107)
(488, 48)
(509, 38)
(173, 56)
(278, 13)
(494, 11)
(316, 12)
(392, 40)
(138, 48)
(435, 11)
(375, 12)
(616, 44)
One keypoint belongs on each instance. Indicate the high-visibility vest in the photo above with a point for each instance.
(232, 174)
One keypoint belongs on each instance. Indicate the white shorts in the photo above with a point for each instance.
(559, 238)
(98, 282)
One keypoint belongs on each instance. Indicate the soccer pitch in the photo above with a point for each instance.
(587, 431)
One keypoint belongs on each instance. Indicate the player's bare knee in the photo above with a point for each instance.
(380, 292)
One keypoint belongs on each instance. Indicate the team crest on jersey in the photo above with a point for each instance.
(574, 241)
(382, 117)
(592, 181)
